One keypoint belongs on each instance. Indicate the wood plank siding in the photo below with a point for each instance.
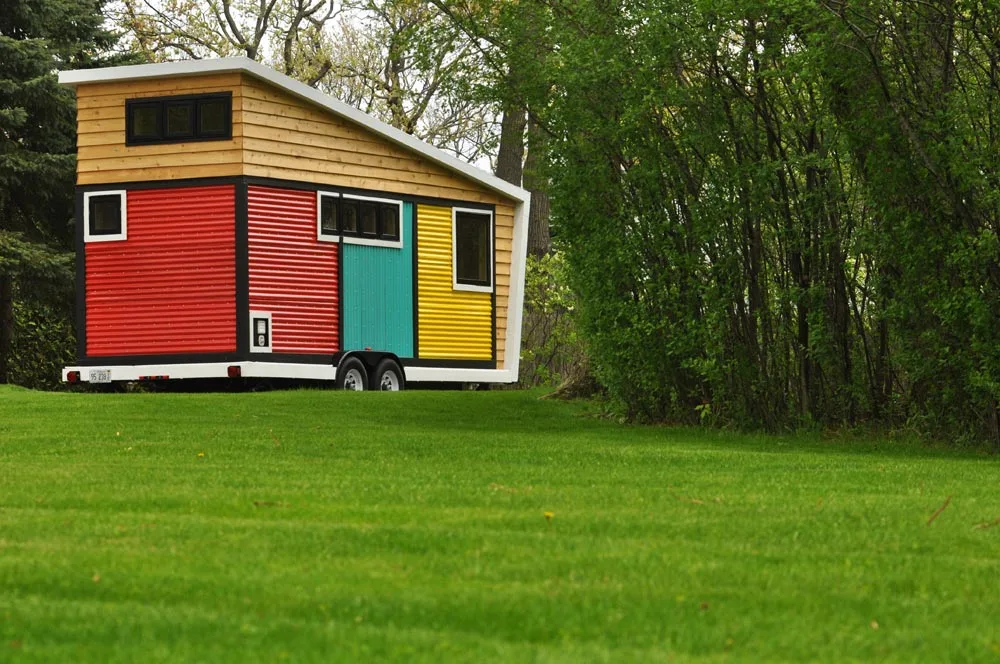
(103, 157)
(276, 135)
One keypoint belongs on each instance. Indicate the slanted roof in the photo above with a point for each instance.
(301, 91)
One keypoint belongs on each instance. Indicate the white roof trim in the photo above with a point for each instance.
(302, 91)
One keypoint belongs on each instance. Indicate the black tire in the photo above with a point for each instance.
(352, 375)
(388, 377)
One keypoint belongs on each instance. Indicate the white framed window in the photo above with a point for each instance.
(376, 222)
(472, 250)
(327, 216)
(260, 332)
(105, 216)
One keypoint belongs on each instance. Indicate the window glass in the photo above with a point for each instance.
(213, 117)
(349, 216)
(105, 215)
(472, 246)
(145, 121)
(180, 120)
(369, 219)
(328, 215)
(390, 222)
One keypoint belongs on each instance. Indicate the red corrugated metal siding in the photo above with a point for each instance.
(292, 275)
(171, 286)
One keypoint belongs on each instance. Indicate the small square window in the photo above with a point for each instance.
(349, 217)
(104, 216)
(180, 120)
(369, 219)
(390, 222)
(144, 122)
(213, 117)
(328, 217)
(472, 248)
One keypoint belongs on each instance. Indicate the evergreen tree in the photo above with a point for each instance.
(37, 142)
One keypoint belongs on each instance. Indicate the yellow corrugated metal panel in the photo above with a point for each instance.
(451, 324)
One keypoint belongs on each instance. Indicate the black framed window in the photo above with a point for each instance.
(104, 216)
(328, 215)
(144, 122)
(214, 117)
(179, 118)
(349, 213)
(472, 249)
(369, 219)
(388, 221)
(357, 217)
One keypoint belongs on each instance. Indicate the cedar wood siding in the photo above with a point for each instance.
(103, 158)
(276, 135)
(287, 139)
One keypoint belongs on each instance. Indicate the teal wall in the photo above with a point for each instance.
(378, 294)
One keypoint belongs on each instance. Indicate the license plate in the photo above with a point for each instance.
(100, 375)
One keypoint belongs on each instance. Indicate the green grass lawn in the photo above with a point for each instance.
(429, 526)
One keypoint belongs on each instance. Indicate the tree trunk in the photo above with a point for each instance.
(510, 156)
(539, 236)
(6, 326)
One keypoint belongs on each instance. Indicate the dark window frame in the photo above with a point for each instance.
(479, 216)
(195, 102)
(359, 204)
(91, 200)
(334, 198)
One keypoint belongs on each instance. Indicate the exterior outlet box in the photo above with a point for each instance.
(260, 332)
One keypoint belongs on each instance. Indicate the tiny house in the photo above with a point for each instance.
(234, 222)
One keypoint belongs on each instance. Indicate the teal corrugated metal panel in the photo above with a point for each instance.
(378, 294)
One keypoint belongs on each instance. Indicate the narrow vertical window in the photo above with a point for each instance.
(389, 220)
(473, 249)
(369, 219)
(328, 218)
(349, 217)
(179, 120)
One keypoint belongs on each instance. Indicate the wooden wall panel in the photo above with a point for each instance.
(286, 138)
(103, 157)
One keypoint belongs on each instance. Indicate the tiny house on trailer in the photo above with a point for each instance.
(234, 222)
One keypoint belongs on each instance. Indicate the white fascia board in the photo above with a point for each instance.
(136, 371)
(210, 370)
(284, 370)
(298, 89)
(518, 265)
(439, 375)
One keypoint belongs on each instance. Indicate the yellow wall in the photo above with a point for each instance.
(277, 135)
(450, 324)
(103, 157)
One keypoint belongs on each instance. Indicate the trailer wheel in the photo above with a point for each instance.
(388, 377)
(352, 375)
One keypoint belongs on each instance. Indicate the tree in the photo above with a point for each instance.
(398, 60)
(37, 141)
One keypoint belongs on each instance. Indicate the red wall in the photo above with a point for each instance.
(292, 275)
(171, 286)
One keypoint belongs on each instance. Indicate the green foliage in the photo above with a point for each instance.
(37, 169)
(551, 349)
(787, 210)
(43, 340)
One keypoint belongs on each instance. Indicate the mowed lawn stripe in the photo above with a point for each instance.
(323, 526)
